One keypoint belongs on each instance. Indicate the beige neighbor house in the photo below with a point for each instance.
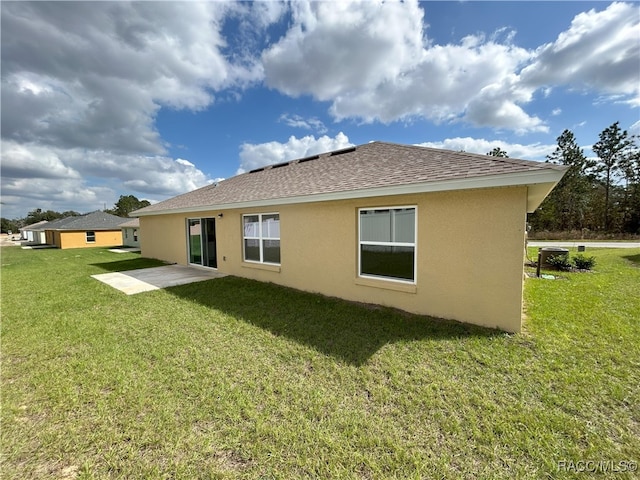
(95, 229)
(429, 231)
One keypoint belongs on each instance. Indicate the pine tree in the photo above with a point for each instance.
(571, 195)
(612, 149)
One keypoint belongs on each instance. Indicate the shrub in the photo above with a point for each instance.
(584, 263)
(561, 262)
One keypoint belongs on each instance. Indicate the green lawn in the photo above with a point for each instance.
(232, 378)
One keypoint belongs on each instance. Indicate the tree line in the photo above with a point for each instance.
(600, 194)
(125, 205)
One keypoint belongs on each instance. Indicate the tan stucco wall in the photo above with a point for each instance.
(164, 237)
(108, 238)
(469, 252)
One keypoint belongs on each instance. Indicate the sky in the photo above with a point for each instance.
(154, 99)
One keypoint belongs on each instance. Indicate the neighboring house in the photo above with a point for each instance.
(95, 229)
(34, 233)
(429, 231)
(131, 233)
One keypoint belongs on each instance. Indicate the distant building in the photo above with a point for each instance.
(34, 233)
(131, 233)
(95, 229)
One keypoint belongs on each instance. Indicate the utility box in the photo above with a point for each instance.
(548, 252)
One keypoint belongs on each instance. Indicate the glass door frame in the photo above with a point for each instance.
(202, 223)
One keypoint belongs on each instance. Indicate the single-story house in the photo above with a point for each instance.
(131, 233)
(429, 231)
(95, 229)
(34, 233)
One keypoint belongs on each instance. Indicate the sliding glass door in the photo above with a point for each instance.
(209, 244)
(201, 233)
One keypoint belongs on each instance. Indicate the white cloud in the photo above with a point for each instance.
(296, 121)
(497, 106)
(184, 162)
(95, 74)
(599, 51)
(145, 174)
(448, 81)
(258, 155)
(56, 176)
(336, 47)
(21, 195)
(82, 83)
(33, 161)
(372, 61)
(534, 151)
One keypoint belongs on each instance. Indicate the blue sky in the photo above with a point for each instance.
(155, 99)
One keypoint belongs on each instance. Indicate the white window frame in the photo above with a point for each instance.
(413, 244)
(260, 238)
(86, 236)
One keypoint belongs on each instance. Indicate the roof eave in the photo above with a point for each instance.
(540, 183)
(84, 229)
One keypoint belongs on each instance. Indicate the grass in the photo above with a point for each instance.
(232, 378)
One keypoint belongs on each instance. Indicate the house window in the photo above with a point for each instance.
(387, 243)
(91, 237)
(261, 238)
(135, 235)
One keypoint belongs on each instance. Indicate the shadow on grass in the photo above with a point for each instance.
(347, 331)
(635, 259)
(131, 264)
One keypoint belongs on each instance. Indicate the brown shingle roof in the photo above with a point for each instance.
(365, 167)
(91, 221)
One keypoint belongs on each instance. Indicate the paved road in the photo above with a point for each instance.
(537, 243)
(7, 240)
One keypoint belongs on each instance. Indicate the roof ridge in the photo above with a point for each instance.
(510, 160)
(305, 159)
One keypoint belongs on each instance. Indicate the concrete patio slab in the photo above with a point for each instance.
(124, 249)
(147, 279)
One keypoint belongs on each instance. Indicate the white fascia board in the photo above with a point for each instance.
(100, 229)
(489, 181)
